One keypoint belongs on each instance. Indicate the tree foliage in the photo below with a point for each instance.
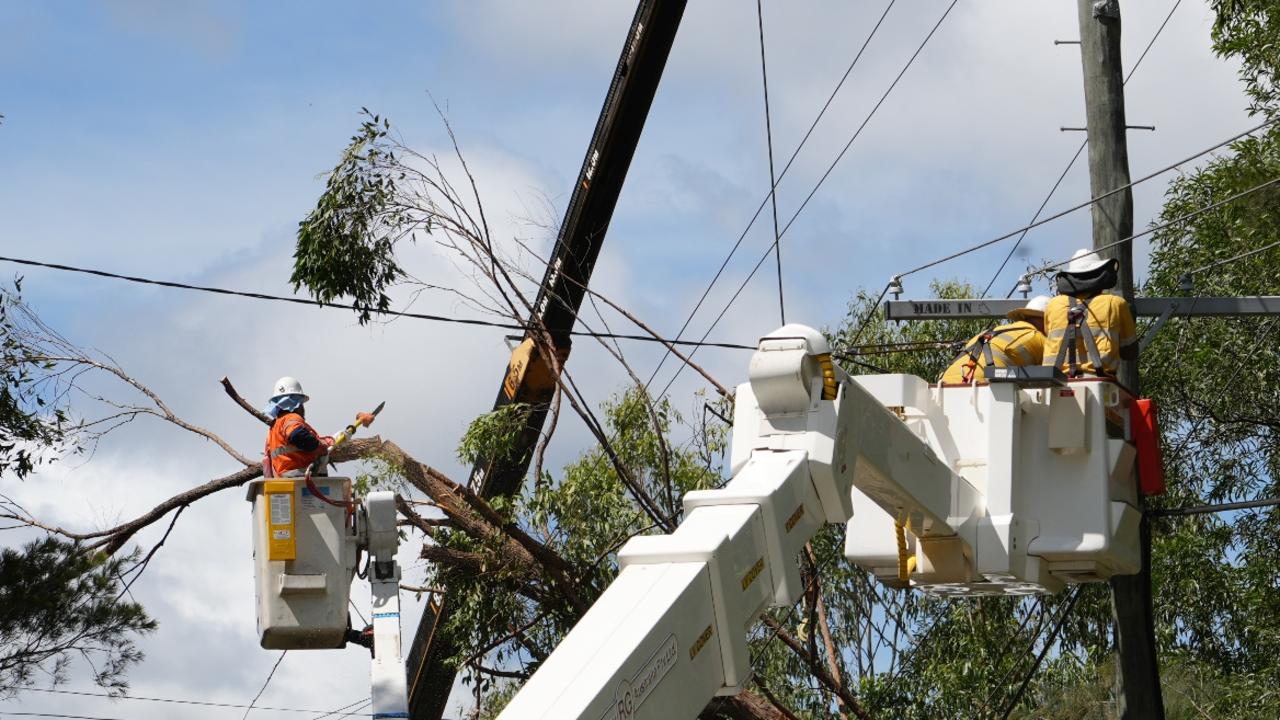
(584, 515)
(33, 422)
(59, 601)
(1215, 380)
(346, 245)
(1249, 31)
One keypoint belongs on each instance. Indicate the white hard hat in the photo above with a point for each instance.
(288, 386)
(1085, 261)
(1034, 308)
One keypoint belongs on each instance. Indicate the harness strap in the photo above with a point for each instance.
(1078, 325)
(1067, 350)
(1090, 343)
(982, 345)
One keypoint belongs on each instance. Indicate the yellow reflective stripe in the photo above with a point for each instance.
(282, 450)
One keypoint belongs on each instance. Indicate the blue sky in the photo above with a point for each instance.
(184, 141)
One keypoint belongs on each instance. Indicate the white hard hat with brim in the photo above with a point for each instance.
(1033, 310)
(1085, 261)
(288, 386)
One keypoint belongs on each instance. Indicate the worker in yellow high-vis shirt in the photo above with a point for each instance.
(1018, 343)
(1088, 331)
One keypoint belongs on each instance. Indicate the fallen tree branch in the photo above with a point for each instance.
(474, 516)
(231, 391)
(164, 411)
(815, 667)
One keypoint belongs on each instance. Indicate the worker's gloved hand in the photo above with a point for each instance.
(364, 418)
(326, 440)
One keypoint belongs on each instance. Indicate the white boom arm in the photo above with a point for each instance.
(1000, 488)
(670, 633)
(387, 674)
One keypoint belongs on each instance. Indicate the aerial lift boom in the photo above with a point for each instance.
(307, 537)
(1004, 488)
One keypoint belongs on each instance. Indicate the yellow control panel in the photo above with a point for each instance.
(282, 541)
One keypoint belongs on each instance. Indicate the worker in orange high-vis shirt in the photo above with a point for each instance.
(292, 444)
(1088, 331)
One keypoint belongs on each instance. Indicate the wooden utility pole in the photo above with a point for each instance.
(1137, 669)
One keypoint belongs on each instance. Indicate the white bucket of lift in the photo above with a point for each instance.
(304, 558)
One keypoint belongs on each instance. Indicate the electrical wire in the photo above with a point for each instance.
(346, 710)
(171, 701)
(1083, 144)
(346, 306)
(870, 115)
(1229, 260)
(1035, 667)
(264, 684)
(818, 185)
(1217, 508)
(12, 714)
(751, 223)
(1157, 228)
(352, 604)
(358, 708)
(773, 183)
(1087, 203)
(1008, 645)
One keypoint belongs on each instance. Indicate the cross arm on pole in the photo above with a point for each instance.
(980, 308)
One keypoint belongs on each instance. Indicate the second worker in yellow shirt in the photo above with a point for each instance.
(1019, 343)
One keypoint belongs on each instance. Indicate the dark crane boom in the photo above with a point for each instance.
(529, 377)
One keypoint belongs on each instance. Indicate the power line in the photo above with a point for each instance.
(1241, 256)
(1083, 144)
(765, 200)
(1175, 221)
(870, 312)
(357, 709)
(869, 349)
(821, 180)
(347, 710)
(12, 714)
(870, 115)
(265, 684)
(1035, 667)
(773, 183)
(172, 701)
(1086, 203)
(998, 685)
(1211, 509)
(345, 306)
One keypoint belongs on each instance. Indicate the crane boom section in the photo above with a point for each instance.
(530, 375)
(671, 632)
(994, 489)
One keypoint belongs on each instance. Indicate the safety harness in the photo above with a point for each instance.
(982, 344)
(1078, 327)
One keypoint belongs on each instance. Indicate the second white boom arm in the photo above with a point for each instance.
(670, 632)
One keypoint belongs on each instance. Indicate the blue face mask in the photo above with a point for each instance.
(282, 404)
